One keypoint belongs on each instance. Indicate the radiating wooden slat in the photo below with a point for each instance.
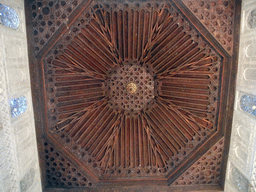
(122, 143)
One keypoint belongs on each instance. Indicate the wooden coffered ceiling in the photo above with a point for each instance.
(133, 95)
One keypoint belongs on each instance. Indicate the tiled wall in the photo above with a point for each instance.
(241, 171)
(19, 168)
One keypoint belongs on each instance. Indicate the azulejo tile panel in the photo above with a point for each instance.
(9, 17)
(18, 106)
(248, 104)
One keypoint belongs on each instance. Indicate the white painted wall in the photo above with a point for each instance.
(241, 169)
(19, 168)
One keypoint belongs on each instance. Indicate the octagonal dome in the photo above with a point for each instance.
(132, 90)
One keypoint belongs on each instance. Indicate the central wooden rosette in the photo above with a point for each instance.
(131, 87)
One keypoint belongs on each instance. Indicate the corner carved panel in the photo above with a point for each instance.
(218, 17)
(206, 170)
(60, 172)
(47, 17)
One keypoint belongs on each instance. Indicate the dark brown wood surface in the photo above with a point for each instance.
(133, 93)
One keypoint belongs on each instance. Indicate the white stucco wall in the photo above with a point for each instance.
(241, 169)
(19, 168)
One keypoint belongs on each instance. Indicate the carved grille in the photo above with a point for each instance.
(60, 172)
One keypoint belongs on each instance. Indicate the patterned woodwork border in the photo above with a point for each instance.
(218, 17)
(47, 18)
(60, 172)
(206, 170)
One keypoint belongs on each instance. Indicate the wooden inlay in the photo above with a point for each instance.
(132, 91)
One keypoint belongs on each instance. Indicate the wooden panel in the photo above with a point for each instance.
(132, 91)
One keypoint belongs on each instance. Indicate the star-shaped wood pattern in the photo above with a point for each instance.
(133, 91)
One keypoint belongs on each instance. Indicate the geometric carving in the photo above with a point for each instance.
(206, 170)
(9, 17)
(217, 17)
(60, 172)
(132, 91)
(131, 87)
(47, 17)
(82, 74)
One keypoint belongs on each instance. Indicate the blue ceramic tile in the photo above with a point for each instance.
(248, 104)
(18, 106)
(9, 17)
